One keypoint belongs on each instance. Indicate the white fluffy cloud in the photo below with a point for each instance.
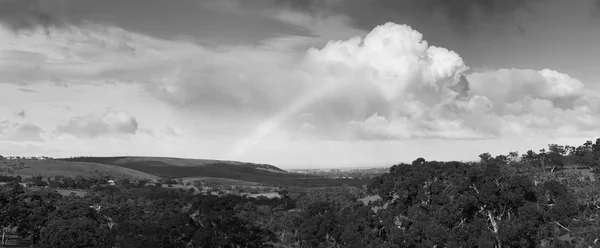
(90, 126)
(538, 102)
(19, 132)
(428, 96)
(395, 58)
(422, 86)
(513, 85)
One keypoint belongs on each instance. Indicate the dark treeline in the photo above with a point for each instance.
(539, 199)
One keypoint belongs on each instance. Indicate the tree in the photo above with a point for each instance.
(220, 227)
(513, 156)
(75, 224)
(11, 211)
(485, 157)
(556, 156)
(8, 167)
(456, 204)
(319, 225)
(418, 161)
(38, 205)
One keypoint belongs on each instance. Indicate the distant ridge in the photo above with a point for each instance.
(118, 160)
(55, 167)
(155, 168)
(169, 167)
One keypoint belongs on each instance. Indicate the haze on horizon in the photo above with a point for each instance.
(297, 83)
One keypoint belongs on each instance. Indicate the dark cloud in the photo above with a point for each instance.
(21, 113)
(596, 11)
(461, 87)
(27, 14)
(310, 6)
(464, 16)
(461, 14)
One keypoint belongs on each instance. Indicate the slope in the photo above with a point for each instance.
(189, 168)
(50, 168)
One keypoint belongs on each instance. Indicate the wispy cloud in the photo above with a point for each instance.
(27, 90)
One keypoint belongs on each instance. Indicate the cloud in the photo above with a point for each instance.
(91, 126)
(392, 71)
(179, 72)
(27, 90)
(28, 14)
(161, 132)
(20, 113)
(19, 132)
(464, 16)
(543, 102)
(394, 58)
(512, 85)
(500, 104)
(389, 84)
(315, 18)
(430, 93)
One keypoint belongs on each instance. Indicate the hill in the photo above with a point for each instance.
(50, 168)
(180, 167)
(203, 168)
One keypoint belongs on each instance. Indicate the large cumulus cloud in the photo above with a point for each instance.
(403, 75)
(428, 95)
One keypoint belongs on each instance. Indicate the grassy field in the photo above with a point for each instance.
(50, 168)
(153, 168)
(224, 181)
(225, 171)
(268, 195)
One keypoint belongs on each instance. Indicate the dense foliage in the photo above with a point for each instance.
(545, 199)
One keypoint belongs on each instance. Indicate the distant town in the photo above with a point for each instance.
(344, 173)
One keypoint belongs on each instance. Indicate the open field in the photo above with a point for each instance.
(50, 168)
(181, 168)
(153, 169)
(237, 173)
(224, 181)
(268, 195)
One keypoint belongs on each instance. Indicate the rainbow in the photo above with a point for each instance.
(273, 123)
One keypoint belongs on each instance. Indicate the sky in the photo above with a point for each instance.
(297, 83)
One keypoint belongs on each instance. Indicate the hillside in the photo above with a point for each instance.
(50, 168)
(203, 168)
(180, 167)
